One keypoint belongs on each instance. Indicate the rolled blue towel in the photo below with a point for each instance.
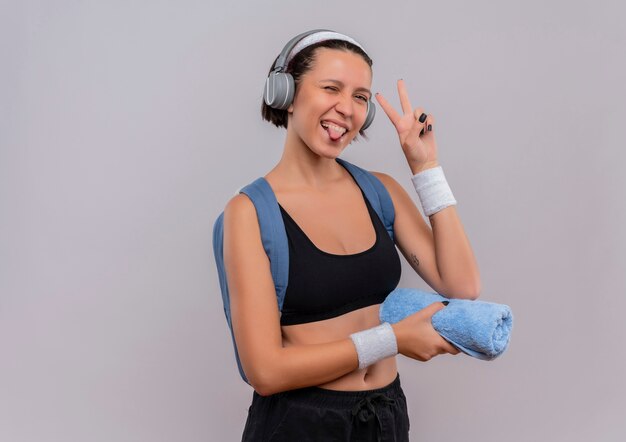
(478, 328)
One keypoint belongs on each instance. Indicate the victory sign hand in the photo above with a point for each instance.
(414, 130)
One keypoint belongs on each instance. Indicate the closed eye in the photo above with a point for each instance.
(336, 89)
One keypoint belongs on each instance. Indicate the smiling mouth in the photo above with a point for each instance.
(334, 132)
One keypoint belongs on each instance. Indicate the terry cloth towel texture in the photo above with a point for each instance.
(477, 328)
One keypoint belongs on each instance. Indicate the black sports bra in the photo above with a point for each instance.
(323, 285)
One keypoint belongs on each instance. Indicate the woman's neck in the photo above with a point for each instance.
(301, 167)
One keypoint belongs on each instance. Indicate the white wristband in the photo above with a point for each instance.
(433, 190)
(374, 344)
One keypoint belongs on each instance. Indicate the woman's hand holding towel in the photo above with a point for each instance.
(416, 337)
(477, 328)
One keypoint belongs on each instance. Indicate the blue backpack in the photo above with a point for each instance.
(274, 236)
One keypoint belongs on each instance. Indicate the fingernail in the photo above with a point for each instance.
(430, 127)
(445, 302)
(422, 132)
(423, 118)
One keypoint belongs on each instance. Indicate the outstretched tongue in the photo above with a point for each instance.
(334, 134)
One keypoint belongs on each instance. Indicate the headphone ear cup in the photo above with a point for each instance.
(371, 113)
(279, 90)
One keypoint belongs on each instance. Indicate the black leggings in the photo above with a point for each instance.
(319, 414)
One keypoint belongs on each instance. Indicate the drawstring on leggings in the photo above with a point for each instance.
(365, 409)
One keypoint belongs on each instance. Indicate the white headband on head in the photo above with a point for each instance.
(316, 38)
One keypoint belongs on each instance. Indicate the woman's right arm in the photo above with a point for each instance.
(269, 367)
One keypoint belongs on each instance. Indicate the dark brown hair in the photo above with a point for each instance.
(301, 63)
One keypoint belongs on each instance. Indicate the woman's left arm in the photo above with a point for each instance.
(442, 256)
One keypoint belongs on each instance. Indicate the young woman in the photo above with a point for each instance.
(324, 369)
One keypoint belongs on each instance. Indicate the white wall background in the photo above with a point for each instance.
(126, 126)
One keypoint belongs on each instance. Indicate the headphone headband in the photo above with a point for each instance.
(306, 39)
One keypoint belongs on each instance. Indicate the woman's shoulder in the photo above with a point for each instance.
(388, 181)
(240, 218)
(381, 175)
(240, 207)
(397, 193)
(242, 234)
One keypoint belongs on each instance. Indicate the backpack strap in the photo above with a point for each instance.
(376, 194)
(274, 236)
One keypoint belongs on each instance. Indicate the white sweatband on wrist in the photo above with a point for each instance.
(374, 344)
(433, 190)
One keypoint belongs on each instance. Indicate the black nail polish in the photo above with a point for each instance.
(430, 127)
(445, 302)
(423, 118)
(422, 132)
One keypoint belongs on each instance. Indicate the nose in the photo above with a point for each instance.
(345, 105)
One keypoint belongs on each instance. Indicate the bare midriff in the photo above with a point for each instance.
(376, 375)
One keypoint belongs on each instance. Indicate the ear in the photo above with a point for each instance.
(290, 108)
